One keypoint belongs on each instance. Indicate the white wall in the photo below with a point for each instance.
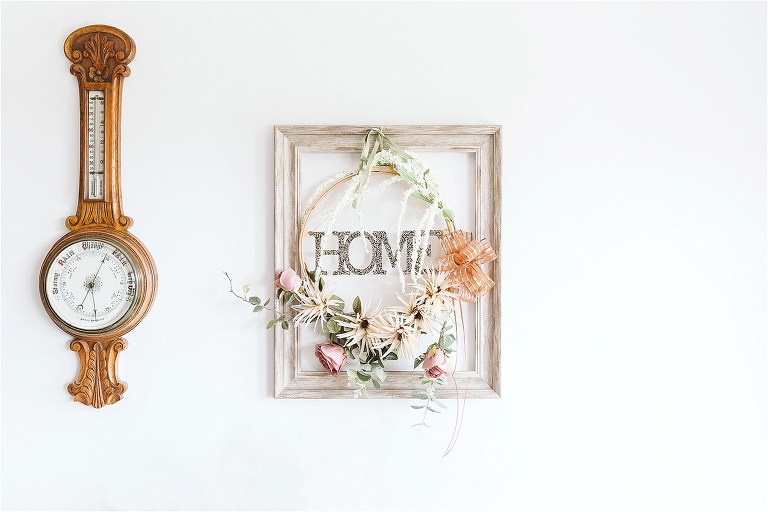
(634, 293)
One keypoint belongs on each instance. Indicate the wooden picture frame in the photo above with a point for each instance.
(485, 142)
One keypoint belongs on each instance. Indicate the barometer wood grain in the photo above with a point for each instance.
(98, 281)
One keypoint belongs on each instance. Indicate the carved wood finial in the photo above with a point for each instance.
(97, 383)
(99, 53)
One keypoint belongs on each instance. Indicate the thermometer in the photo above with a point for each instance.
(95, 189)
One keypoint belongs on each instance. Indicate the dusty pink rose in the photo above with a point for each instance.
(434, 366)
(331, 356)
(288, 280)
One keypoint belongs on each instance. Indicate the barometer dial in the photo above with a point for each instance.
(91, 284)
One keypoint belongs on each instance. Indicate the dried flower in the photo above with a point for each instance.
(434, 365)
(416, 313)
(433, 290)
(288, 280)
(399, 336)
(331, 357)
(366, 330)
(314, 304)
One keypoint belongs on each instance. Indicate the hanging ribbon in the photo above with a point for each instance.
(462, 260)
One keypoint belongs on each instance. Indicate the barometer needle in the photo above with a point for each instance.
(100, 265)
(88, 285)
(94, 305)
(91, 283)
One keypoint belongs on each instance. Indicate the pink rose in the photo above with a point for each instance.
(434, 366)
(331, 356)
(288, 280)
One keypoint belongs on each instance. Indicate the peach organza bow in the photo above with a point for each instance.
(462, 260)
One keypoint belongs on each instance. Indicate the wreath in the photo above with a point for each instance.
(364, 338)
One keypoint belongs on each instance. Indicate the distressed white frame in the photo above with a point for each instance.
(485, 142)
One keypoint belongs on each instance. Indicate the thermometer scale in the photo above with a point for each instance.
(95, 190)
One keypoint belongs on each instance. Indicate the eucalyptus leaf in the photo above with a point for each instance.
(441, 404)
(272, 323)
(433, 410)
(254, 300)
(333, 327)
(418, 406)
(376, 384)
(392, 356)
(285, 325)
(407, 176)
(340, 307)
(442, 331)
(357, 306)
(266, 302)
(363, 377)
(351, 373)
(246, 288)
(421, 396)
(448, 214)
(378, 371)
(422, 197)
(257, 309)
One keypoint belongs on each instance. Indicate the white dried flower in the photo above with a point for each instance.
(315, 304)
(366, 330)
(398, 335)
(432, 290)
(416, 313)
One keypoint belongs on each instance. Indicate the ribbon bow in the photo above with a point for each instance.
(462, 264)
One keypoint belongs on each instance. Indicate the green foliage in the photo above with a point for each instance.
(279, 320)
(340, 307)
(392, 356)
(369, 373)
(310, 274)
(357, 306)
(428, 397)
(422, 197)
(333, 327)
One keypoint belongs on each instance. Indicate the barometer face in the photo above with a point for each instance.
(91, 284)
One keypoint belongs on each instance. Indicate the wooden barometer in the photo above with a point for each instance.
(98, 281)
